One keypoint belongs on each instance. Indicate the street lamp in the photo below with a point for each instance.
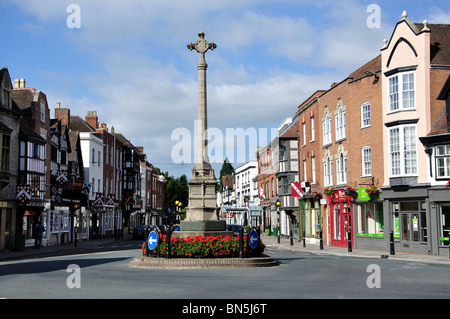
(278, 203)
(246, 200)
(178, 206)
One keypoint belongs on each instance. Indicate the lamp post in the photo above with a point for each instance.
(178, 205)
(246, 200)
(278, 203)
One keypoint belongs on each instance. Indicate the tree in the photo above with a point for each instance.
(177, 189)
(227, 169)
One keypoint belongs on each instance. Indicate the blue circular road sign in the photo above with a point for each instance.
(253, 238)
(152, 240)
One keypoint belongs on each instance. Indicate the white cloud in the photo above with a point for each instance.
(438, 15)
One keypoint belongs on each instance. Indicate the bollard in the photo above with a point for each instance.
(321, 239)
(391, 235)
(304, 240)
(241, 243)
(291, 239)
(349, 240)
(168, 237)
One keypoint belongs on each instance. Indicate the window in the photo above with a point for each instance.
(403, 150)
(340, 124)
(313, 133)
(42, 111)
(443, 161)
(305, 177)
(304, 133)
(366, 161)
(393, 94)
(370, 220)
(327, 130)
(402, 92)
(328, 171)
(365, 114)
(341, 167)
(313, 169)
(5, 152)
(6, 98)
(444, 224)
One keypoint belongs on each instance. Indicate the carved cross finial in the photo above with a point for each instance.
(201, 46)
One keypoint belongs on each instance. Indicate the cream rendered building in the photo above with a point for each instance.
(414, 67)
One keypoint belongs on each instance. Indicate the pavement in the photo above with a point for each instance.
(285, 244)
(63, 249)
(270, 241)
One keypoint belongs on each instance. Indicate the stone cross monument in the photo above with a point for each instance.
(202, 211)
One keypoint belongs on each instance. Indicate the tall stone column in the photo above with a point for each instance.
(202, 212)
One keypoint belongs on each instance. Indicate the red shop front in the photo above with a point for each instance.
(341, 211)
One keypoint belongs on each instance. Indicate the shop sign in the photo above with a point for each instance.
(339, 196)
(362, 194)
(296, 189)
(23, 194)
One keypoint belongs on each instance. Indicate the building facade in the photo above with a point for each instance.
(415, 66)
(10, 115)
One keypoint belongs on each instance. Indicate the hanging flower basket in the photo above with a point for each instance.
(349, 191)
(328, 190)
(448, 184)
(373, 191)
(315, 195)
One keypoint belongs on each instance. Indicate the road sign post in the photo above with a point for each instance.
(152, 241)
(253, 239)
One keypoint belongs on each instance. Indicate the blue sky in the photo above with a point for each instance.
(129, 60)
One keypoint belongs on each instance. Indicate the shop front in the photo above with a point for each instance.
(311, 218)
(341, 218)
(407, 216)
(439, 207)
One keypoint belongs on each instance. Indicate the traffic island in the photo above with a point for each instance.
(202, 263)
(203, 252)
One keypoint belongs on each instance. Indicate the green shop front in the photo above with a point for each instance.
(369, 219)
(407, 215)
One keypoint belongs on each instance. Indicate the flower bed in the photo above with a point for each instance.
(206, 247)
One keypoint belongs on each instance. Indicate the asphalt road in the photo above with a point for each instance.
(105, 274)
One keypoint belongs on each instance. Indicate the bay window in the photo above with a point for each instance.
(443, 161)
(401, 93)
(402, 150)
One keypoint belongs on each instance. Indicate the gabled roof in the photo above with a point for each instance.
(31, 134)
(439, 40)
(79, 125)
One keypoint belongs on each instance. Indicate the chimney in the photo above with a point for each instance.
(19, 83)
(62, 114)
(92, 119)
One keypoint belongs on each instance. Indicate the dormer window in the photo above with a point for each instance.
(6, 98)
(42, 111)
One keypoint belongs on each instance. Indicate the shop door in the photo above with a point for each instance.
(342, 223)
(410, 231)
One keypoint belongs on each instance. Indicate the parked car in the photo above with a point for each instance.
(235, 228)
(139, 232)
